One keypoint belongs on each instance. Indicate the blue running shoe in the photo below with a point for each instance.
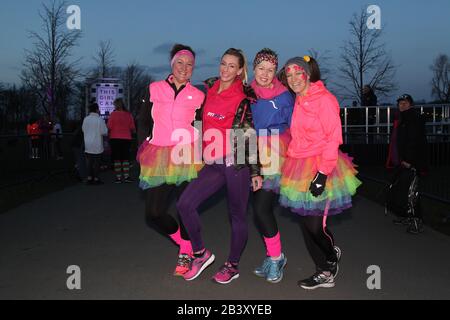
(261, 271)
(275, 271)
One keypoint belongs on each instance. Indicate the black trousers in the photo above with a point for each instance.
(93, 164)
(319, 241)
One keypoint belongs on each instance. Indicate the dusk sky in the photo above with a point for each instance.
(415, 32)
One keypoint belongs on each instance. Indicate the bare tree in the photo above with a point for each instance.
(20, 104)
(441, 78)
(46, 66)
(136, 82)
(365, 61)
(104, 59)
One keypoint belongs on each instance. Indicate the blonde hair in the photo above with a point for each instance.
(242, 62)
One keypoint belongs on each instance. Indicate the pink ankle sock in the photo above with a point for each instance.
(273, 246)
(185, 245)
(176, 237)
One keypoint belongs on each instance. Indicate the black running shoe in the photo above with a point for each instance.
(318, 280)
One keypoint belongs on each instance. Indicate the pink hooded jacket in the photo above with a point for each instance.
(316, 127)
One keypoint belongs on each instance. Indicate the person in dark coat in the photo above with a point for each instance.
(409, 149)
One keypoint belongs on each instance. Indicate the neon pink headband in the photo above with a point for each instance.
(180, 53)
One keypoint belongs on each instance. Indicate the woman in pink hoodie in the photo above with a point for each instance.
(317, 179)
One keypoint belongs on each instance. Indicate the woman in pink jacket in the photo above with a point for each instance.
(171, 158)
(317, 179)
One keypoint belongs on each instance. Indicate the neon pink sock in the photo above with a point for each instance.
(185, 245)
(273, 246)
(176, 237)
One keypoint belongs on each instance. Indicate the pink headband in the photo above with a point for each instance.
(180, 53)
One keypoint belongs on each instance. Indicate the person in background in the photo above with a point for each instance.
(408, 156)
(56, 139)
(94, 129)
(45, 127)
(121, 127)
(34, 132)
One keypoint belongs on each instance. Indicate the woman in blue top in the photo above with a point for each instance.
(272, 113)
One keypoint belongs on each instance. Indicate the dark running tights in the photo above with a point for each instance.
(319, 241)
(263, 206)
(157, 202)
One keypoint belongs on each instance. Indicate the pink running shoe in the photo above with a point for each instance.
(226, 274)
(183, 263)
(198, 264)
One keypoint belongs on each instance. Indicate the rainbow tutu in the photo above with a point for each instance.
(297, 175)
(272, 155)
(167, 164)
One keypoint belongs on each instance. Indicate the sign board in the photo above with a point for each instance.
(104, 92)
(105, 99)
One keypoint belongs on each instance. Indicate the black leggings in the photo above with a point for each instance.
(263, 206)
(157, 201)
(319, 241)
(120, 149)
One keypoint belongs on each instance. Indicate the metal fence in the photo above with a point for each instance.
(373, 124)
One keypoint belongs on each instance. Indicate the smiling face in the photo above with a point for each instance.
(229, 68)
(182, 69)
(297, 79)
(264, 73)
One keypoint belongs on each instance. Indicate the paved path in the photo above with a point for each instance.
(102, 230)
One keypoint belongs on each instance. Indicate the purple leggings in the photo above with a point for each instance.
(210, 179)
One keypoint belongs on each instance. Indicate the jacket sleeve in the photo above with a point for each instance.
(331, 125)
(243, 120)
(415, 151)
(144, 121)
